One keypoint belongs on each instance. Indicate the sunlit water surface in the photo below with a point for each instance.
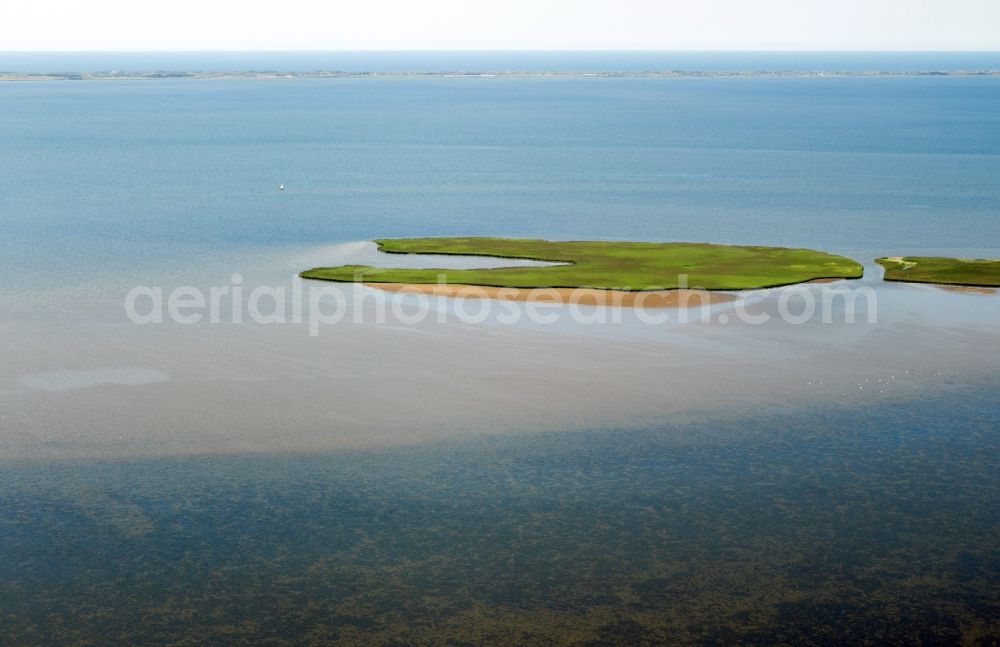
(592, 483)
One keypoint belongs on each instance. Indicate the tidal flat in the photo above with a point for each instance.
(99, 389)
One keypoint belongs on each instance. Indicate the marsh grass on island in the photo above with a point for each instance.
(941, 270)
(594, 272)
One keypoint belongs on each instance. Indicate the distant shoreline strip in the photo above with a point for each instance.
(116, 75)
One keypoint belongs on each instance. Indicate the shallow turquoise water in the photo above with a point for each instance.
(828, 527)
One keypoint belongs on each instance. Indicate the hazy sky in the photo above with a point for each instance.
(499, 24)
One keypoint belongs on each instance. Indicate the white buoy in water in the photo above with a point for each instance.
(281, 188)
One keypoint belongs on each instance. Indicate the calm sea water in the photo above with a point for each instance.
(123, 178)
(821, 524)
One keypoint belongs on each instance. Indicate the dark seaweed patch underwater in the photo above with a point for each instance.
(833, 526)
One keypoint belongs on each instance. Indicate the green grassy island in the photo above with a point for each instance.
(606, 265)
(942, 270)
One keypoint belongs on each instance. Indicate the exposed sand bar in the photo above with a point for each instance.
(968, 289)
(577, 296)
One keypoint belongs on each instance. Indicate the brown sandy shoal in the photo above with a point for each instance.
(579, 296)
(968, 289)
